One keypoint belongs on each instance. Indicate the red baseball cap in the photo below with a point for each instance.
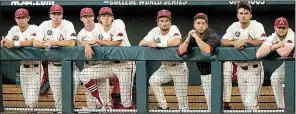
(201, 15)
(56, 8)
(164, 13)
(281, 22)
(21, 13)
(105, 10)
(86, 11)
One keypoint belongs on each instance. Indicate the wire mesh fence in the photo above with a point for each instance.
(99, 88)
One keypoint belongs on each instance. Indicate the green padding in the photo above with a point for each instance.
(229, 53)
(127, 53)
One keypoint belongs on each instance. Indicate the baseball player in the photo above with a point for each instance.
(241, 34)
(22, 35)
(206, 39)
(57, 32)
(88, 33)
(282, 41)
(110, 32)
(167, 35)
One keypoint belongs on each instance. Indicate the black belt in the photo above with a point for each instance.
(174, 64)
(246, 67)
(28, 66)
(117, 61)
(54, 64)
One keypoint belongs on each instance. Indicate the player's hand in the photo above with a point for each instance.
(193, 33)
(51, 42)
(7, 43)
(152, 44)
(88, 51)
(240, 45)
(2, 43)
(91, 42)
(46, 44)
(280, 44)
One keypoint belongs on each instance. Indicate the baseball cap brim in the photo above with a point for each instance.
(56, 12)
(282, 26)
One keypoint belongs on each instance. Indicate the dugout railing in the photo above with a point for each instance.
(142, 55)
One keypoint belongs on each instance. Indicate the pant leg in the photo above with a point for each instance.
(242, 83)
(124, 73)
(159, 77)
(99, 72)
(206, 85)
(55, 81)
(277, 79)
(253, 85)
(180, 76)
(30, 84)
(96, 72)
(91, 101)
(103, 87)
(227, 77)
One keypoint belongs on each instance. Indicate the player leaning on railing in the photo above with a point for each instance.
(282, 42)
(22, 35)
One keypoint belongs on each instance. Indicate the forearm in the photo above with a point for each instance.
(144, 43)
(38, 44)
(183, 47)
(206, 48)
(174, 42)
(65, 43)
(254, 42)
(284, 51)
(26, 43)
(227, 42)
(263, 51)
(109, 43)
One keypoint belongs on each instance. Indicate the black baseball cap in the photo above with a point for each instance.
(245, 5)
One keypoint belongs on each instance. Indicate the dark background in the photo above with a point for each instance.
(139, 20)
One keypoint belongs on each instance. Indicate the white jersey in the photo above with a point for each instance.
(255, 31)
(162, 40)
(274, 38)
(65, 31)
(84, 35)
(32, 32)
(117, 32)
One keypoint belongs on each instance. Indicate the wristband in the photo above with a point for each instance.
(16, 44)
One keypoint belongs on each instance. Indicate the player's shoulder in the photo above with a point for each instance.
(81, 31)
(211, 31)
(272, 36)
(33, 26)
(155, 29)
(14, 28)
(174, 27)
(290, 34)
(45, 23)
(256, 24)
(67, 23)
(118, 22)
(290, 31)
(234, 25)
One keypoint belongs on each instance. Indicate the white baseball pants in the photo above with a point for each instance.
(179, 75)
